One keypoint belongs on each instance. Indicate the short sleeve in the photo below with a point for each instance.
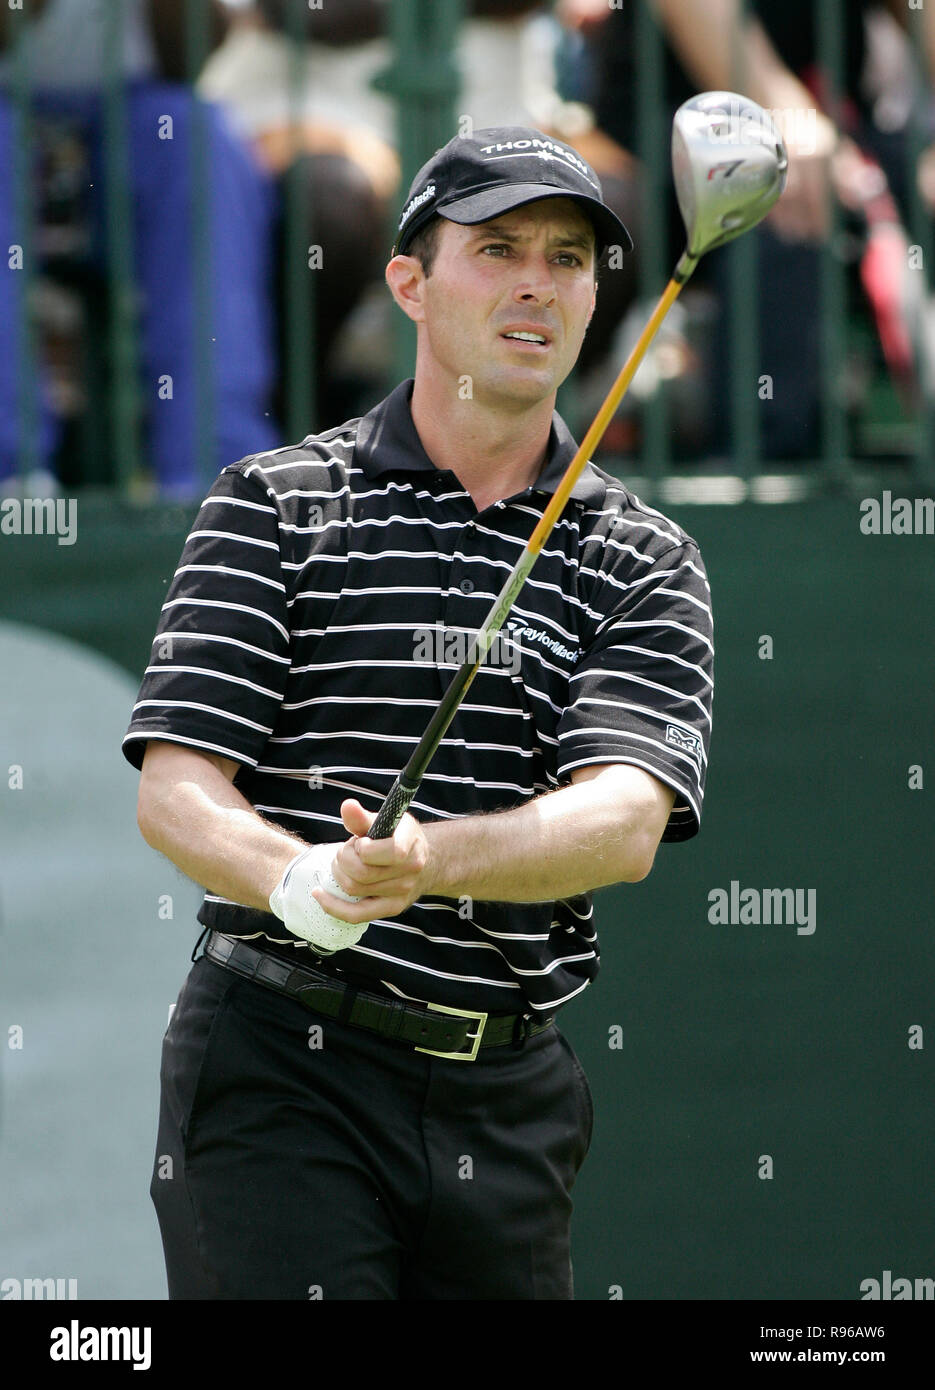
(642, 690)
(220, 658)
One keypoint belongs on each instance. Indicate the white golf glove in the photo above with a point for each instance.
(292, 902)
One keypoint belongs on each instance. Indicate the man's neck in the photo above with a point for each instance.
(492, 453)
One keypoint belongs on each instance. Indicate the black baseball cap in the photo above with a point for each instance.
(472, 179)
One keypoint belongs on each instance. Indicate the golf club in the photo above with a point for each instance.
(729, 165)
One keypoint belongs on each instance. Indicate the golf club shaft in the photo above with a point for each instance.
(407, 783)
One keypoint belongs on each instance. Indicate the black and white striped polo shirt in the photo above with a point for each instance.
(315, 621)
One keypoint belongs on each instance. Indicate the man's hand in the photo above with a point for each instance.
(386, 875)
(329, 895)
(294, 902)
(803, 212)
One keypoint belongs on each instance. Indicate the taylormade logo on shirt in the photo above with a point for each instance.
(534, 634)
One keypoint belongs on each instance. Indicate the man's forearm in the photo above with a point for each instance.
(908, 16)
(706, 36)
(586, 836)
(603, 829)
(190, 812)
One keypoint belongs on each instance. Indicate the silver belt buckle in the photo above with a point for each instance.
(475, 1036)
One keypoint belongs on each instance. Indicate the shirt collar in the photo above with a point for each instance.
(387, 441)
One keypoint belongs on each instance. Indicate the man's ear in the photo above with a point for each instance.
(406, 278)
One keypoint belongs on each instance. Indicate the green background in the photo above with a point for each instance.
(736, 1041)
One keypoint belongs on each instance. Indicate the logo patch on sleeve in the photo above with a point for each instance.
(684, 739)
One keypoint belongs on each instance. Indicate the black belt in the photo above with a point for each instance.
(434, 1028)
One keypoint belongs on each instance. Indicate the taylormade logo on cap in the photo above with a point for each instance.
(416, 203)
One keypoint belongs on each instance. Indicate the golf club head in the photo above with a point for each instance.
(729, 164)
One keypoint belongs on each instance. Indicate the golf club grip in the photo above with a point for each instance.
(392, 810)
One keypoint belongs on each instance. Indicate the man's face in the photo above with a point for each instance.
(531, 272)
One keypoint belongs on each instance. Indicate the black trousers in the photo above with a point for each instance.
(298, 1158)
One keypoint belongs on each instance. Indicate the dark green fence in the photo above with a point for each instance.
(423, 79)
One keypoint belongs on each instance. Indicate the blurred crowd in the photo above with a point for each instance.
(286, 98)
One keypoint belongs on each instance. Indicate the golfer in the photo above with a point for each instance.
(365, 1091)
